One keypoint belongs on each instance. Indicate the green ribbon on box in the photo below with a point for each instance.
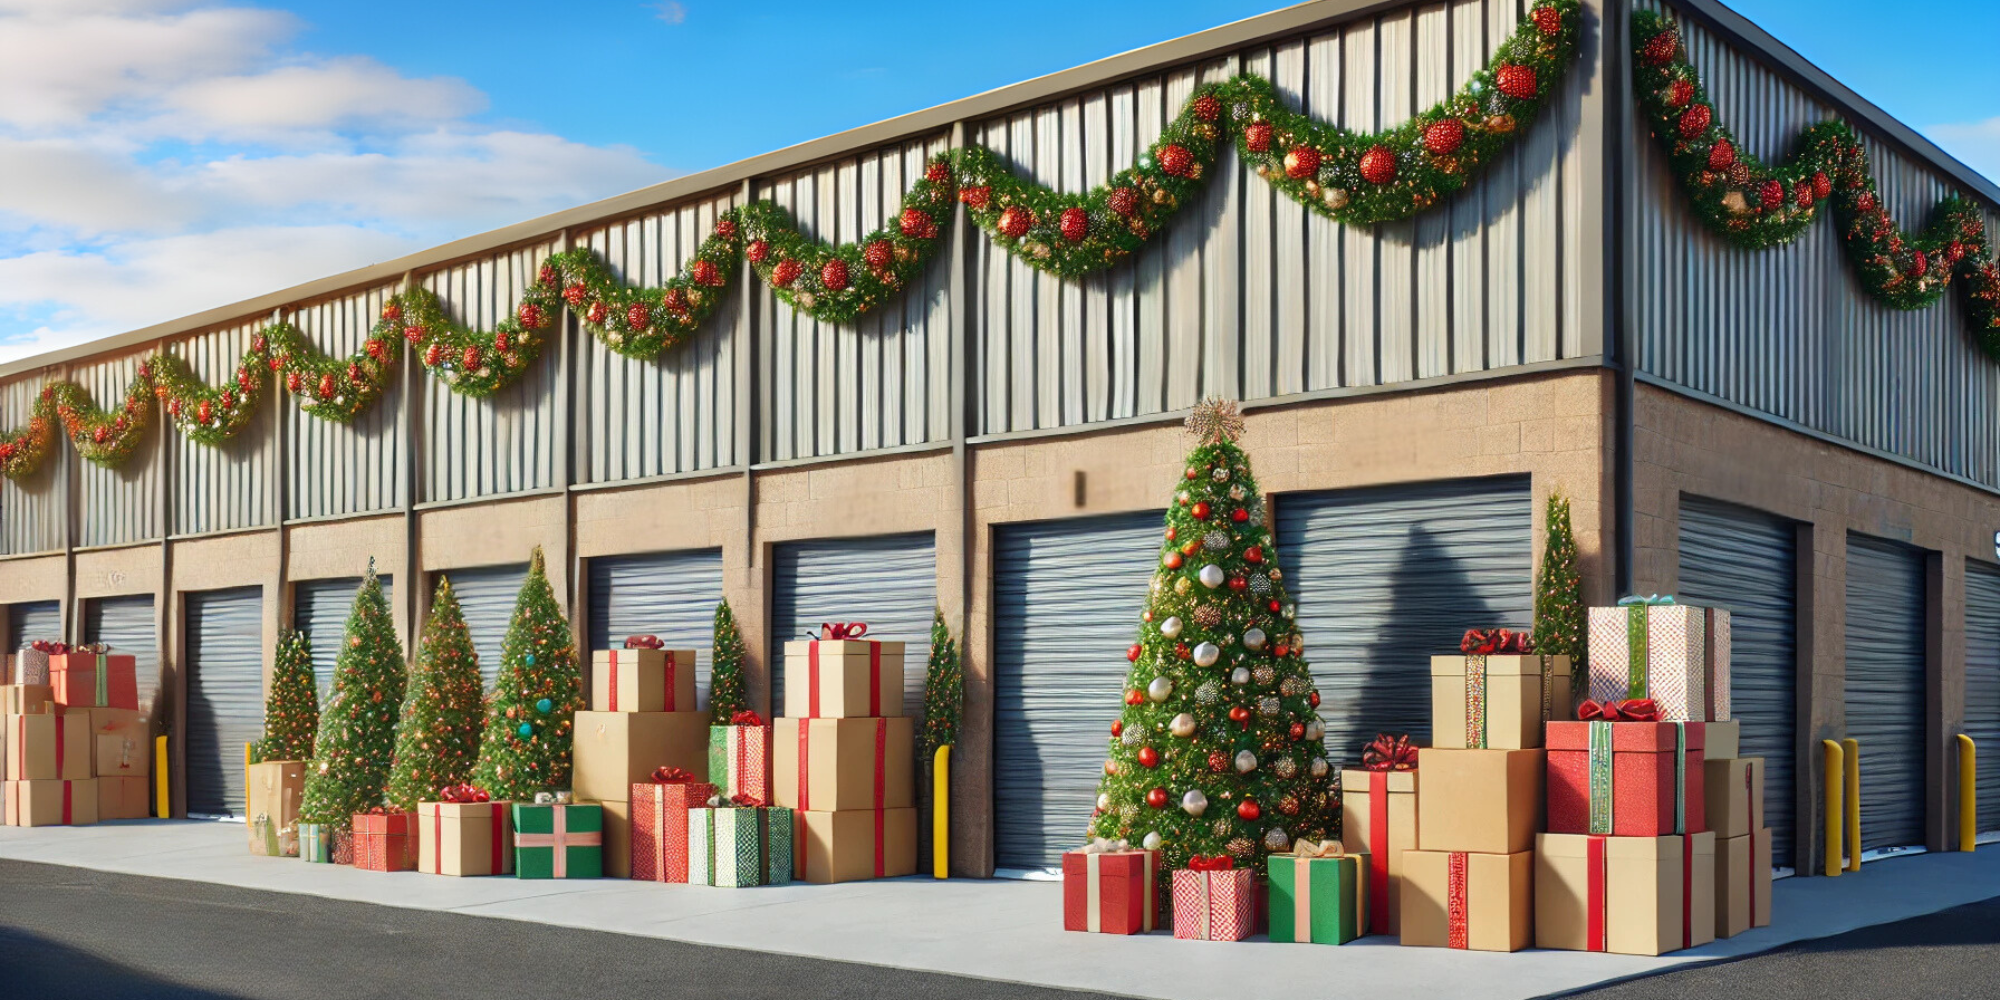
(268, 833)
(103, 679)
(1317, 898)
(1637, 651)
(1600, 778)
(718, 760)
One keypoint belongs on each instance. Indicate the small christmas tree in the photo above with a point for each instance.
(438, 741)
(1559, 607)
(725, 675)
(944, 692)
(1218, 750)
(291, 709)
(357, 730)
(532, 717)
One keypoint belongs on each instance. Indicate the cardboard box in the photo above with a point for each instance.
(843, 679)
(1491, 911)
(739, 761)
(1650, 778)
(1734, 793)
(833, 765)
(1497, 702)
(854, 844)
(617, 838)
(48, 747)
(657, 850)
(615, 750)
(1378, 818)
(385, 841)
(1215, 906)
(1720, 740)
(1109, 888)
(1675, 654)
(1742, 883)
(740, 846)
(27, 699)
(56, 802)
(642, 680)
(102, 680)
(559, 840)
(1479, 801)
(465, 838)
(1318, 900)
(1627, 895)
(123, 798)
(272, 792)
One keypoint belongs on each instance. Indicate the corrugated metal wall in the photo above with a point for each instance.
(336, 468)
(219, 489)
(685, 399)
(119, 505)
(883, 382)
(1790, 331)
(32, 517)
(507, 442)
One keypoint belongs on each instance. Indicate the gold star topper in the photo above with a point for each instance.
(1215, 420)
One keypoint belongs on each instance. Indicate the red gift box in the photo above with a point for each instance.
(660, 826)
(1214, 905)
(383, 841)
(1626, 779)
(1108, 888)
(95, 680)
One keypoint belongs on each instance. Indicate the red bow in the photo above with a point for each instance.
(464, 793)
(744, 800)
(1631, 710)
(842, 630)
(1484, 641)
(48, 646)
(1204, 863)
(1389, 753)
(644, 642)
(746, 717)
(671, 776)
(377, 811)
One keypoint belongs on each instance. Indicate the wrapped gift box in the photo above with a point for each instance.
(1626, 779)
(48, 747)
(854, 844)
(642, 680)
(1480, 801)
(121, 742)
(1318, 897)
(31, 664)
(740, 846)
(52, 802)
(385, 841)
(102, 680)
(1675, 654)
(1109, 888)
(843, 679)
(1627, 895)
(1479, 902)
(1742, 883)
(1214, 905)
(273, 790)
(1378, 814)
(739, 758)
(1494, 701)
(659, 827)
(616, 750)
(122, 798)
(325, 843)
(833, 765)
(465, 838)
(1734, 793)
(559, 839)
(27, 699)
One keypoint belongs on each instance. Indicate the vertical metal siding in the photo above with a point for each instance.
(119, 505)
(506, 442)
(888, 581)
(126, 624)
(320, 609)
(334, 468)
(669, 594)
(31, 621)
(1885, 687)
(220, 489)
(486, 596)
(1982, 683)
(32, 513)
(225, 696)
(684, 400)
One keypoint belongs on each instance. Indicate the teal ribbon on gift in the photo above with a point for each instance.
(1600, 778)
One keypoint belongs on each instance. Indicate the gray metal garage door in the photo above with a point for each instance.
(320, 609)
(126, 623)
(1744, 560)
(33, 620)
(669, 594)
(1982, 683)
(889, 581)
(1386, 577)
(486, 595)
(1067, 596)
(1885, 687)
(225, 698)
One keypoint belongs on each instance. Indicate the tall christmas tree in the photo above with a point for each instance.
(532, 717)
(357, 729)
(291, 709)
(438, 741)
(1218, 750)
(726, 696)
(1559, 609)
(944, 692)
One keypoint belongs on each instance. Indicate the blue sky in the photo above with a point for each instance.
(166, 156)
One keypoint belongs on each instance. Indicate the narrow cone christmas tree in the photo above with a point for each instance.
(357, 728)
(1218, 750)
(944, 692)
(532, 717)
(1559, 607)
(726, 696)
(438, 740)
(291, 709)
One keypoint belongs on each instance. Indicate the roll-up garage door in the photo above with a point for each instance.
(888, 581)
(1745, 561)
(225, 697)
(1067, 596)
(320, 609)
(1885, 687)
(669, 594)
(1982, 683)
(486, 595)
(33, 620)
(1386, 577)
(126, 625)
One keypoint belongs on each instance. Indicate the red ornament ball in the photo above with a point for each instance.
(1660, 49)
(1172, 560)
(327, 386)
(1679, 93)
(1257, 136)
(1192, 472)
(1239, 714)
(433, 354)
(976, 197)
(547, 276)
(1254, 554)
(1149, 757)
(878, 254)
(915, 222)
(1200, 510)
(726, 229)
(1157, 798)
(1238, 584)
(531, 316)
(1014, 222)
(1720, 157)
(470, 359)
(376, 348)
(354, 373)
(1312, 698)
(1171, 535)
(786, 272)
(1301, 163)
(1248, 809)
(938, 172)
(1239, 515)
(1822, 185)
(414, 334)
(638, 317)
(1548, 20)
(392, 312)
(1134, 696)
(1298, 730)
(100, 434)
(1954, 251)
(1516, 81)
(1207, 108)
(706, 273)
(1117, 727)
(1802, 195)
(1919, 265)
(1771, 194)
(1182, 651)
(1444, 137)
(203, 412)
(759, 251)
(1123, 201)
(1075, 224)
(597, 312)
(676, 300)
(575, 294)
(1694, 121)
(1218, 762)
(1378, 165)
(294, 382)
(1175, 160)
(1133, 653)
(1866, 202)
(1273, 605)
(833, 275)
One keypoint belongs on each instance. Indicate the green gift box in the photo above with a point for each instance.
(326, 844)
(1318, 895)
(558, 840)
(739, 758)
(740, 846)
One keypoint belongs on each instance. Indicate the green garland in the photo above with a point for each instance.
(336, 389)
(23, 448)
(211, 415)
(641, 323)
(106, 437)
(842, 283)
(472, 362)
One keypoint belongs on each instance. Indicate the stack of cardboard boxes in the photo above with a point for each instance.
(77, 748)
(843, 760)
(642, 717)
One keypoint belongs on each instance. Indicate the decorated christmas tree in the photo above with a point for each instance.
(532, 717)
(725, 677)
(1218, 750)
(357, 729)
(438, 741)
(1559, 607)
(944, 692)
(291, 709)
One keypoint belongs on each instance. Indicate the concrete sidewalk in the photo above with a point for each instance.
(1000, 930)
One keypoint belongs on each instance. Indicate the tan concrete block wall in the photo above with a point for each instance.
(328, 549)
(36, 578)
(495, 534)
(117, 572)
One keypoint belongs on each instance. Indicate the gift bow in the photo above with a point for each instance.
(1629, 710)
(671, 776)
(1102, 845)
(1319, 849)
(92, 648)
(377, 811)
(1204, 863)
(746, 717)
(644, 642)
(1648, 599)
(464, 793)
(745, 800)
(1486, 641)
(49, 646)
(830, 631)
(1389, 753)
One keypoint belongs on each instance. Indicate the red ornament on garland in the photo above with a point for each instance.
(1822, 185)
(469, 358)
(100, 434)
(1257, 136)
(1679, 93)
(531, 316)
(1312, 699)
(327, 386)
(915, 222)
(1075, 224)
(1919, 265)
(976, 197)
(1378, 165)
(1207, 108)
(1661, 48)
(1694, 121)
(637, 316)
(1123, 201)
(726, 229)
(759, 250)
(596, 313)
(786, 272)
(1445, 136)
(1149, 757)
(1548, 20)
(1133, 652)
(414, 334)
(294, 382)
(833, 275)
(1720, 157)
(547, 276)
(877, 254)
(1771, 194)
(1157, 798)
(1802, 195)
(1117, 727)
(392, 312)
(706, 273)
(1865, 203)
(433, 354)
(1301, 163)
(1175, 160)
(1014, 222)
(203, 412)
(938, 172)
(376, 348)
(354, 373)
(1248, 809)
(500, 341)
(1134, 696)
(1200, 510)
(1516, 81)
(575, 294)
(676, 300)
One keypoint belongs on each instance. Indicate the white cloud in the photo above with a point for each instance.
(669, 11)
(339, 93)
(1976, 144)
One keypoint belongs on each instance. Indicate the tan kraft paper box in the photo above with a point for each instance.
(273, 790)
(44, 803)
(1499, 900)
(27, 699)
(843, 846)
(857, 678)
(840, 760)
(615, 749)
(1721, 739)
(1480, 801)
(48, 747)
(1742, 883)
(1384, 848)
(1516, 705)
(642, 680)
(1733, 795)
(123, 798)
(1658, 893)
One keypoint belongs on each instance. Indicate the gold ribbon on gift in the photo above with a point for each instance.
(1312, 850)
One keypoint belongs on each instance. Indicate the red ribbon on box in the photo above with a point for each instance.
(1378, 859)
(746, 717)
(464, 793)
(842, 630)
(882, 794)
(1389, 753)
(66, 822)
(874, 672)
(1597, 896)
(743, 800)
(1492, 641)
(1206, 863)
(1628, 710)
(1457, 887)
(671, 776)
(644, 642)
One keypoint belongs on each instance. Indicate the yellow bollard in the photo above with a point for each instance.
(1968, 793)
(941, 813)
(163, 802)
(1830, 755)
(1851, 749)
(249, 755)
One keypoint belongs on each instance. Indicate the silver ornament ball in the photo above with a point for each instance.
(1160, 689)
(1171, 628)
(1276, 839)
(1318, 767)
(1193, 802)
(1103, 801)
(1315, 730)
(1254, 639)
(1206, 654)
(1182, 725)
(1212, 576)
(1240, 676)
(1151, 841)
(1246, 762)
